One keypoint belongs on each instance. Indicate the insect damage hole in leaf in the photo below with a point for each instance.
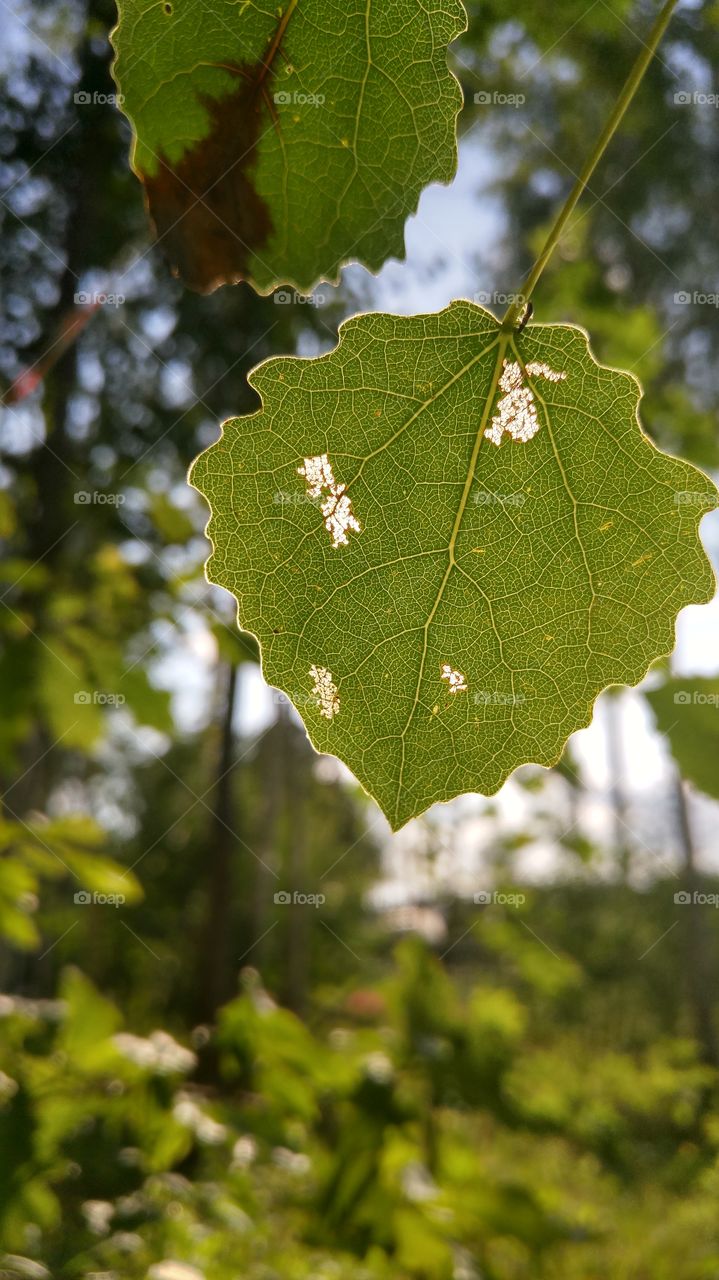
(517, 409)
(456, 681)
(336, 506)
(325, 692)
(577, 587)
(276, 145)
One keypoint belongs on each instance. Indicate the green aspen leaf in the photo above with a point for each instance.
(277, 143)
(687, 713)
(441, 608)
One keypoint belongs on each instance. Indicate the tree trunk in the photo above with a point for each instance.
(215, 965)
(695, 937)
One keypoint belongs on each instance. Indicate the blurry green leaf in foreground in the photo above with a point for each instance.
(277, 143)
(43, 849)
(687, 712)
(448, 541)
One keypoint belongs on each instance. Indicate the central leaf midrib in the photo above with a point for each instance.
(502, 344)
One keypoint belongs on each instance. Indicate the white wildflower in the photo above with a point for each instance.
(417, 1183)
(98, 1215)
(52, 1010)
(295, 1162)
(205, 1129)
(168, 1269)
(244, 1152)
(126, 1241)
(27, 1267)
(379, 1067)
(159, 1052)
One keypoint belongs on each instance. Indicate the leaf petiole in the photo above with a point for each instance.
(517, 309)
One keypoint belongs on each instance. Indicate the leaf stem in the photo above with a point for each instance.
(514, 312)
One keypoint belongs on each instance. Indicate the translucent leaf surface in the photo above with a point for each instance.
(441, 608)
(277, 144)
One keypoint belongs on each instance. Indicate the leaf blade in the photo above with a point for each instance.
(537, 572)
(277, 149)
(687, 714)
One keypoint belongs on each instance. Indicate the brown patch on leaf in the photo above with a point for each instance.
(206, 210)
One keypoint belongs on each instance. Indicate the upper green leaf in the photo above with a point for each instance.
(441, 609)
(687, 712)
(276, 144)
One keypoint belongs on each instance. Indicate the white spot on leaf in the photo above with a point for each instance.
(537, 369)
(325, 691)
(336, 507)
(517, 410)
(456, 681)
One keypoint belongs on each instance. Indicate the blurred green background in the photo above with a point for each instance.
(246, 1033)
